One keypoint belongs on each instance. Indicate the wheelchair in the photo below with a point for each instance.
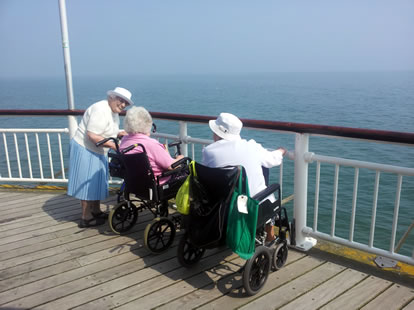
(142, 190)
(208, 230)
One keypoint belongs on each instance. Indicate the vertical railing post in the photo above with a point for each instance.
(73, 125)
(301, 192)
(183, 138)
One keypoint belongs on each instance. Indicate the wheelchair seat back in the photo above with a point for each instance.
(217, 181)
(139, 177)
(206, 224)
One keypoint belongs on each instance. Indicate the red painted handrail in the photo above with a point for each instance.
(349, 132)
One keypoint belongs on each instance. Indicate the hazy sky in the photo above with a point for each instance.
(211, 36)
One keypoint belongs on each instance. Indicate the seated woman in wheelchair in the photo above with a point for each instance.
(230, 149)
(138, 124)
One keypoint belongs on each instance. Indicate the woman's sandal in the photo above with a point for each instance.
(91, 223)
(100, 215)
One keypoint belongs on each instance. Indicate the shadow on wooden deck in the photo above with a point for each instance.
(48, 262)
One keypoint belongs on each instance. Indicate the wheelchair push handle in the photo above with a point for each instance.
(115, 140)
(176, 144)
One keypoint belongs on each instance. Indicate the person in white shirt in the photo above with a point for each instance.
(88, 164)
(229, 149)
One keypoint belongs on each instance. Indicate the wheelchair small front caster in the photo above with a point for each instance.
(188, 254)
(280, 256)
(122, 217)
(159, 235)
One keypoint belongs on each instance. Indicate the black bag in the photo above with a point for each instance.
(116, 166)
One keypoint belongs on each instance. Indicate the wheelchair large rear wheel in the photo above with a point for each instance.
(159, 234)
(122, 217)
(280, 256)
(256, 270)
(188, 254)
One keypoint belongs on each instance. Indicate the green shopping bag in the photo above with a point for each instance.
(182, 199)
(242, 220)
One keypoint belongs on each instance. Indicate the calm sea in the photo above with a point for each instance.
(380, 100)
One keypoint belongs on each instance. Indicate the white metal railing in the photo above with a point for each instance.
(52, 151)
(34, 152)
(357, 165)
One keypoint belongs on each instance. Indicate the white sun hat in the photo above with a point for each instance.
(121, 93)
(227, 126)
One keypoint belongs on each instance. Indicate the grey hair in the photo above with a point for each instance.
(138, 120)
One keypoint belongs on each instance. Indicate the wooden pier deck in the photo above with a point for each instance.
(47, 262)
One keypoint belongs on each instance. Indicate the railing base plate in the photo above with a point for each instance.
(306, 245)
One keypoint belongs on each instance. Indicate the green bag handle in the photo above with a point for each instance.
(192, 168)
(246, 184)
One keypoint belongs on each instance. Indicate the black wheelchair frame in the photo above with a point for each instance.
(141, 190)
(266, 257)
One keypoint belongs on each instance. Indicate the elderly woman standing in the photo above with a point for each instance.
(88, 168)
(138, 124)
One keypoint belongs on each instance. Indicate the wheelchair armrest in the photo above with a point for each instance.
(266, 192)
(178, 166)
(170, 172)
(180, 162)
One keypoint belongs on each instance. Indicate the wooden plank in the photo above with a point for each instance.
(67, 212)
(86, 280)
(19, 200)
(68, 267)
(121, 242)
(182, 288)
(68, 239)
(65, 235)
(26, 204)
(30, 234)
(410, 306)
(289, 291)
(235, 296)
(45, 223)
(42, 279)
(108, 243)
(360, 294)
(79, 291)
(395, 297)
(326, 292)
(228, 284)
(33, 206)
(42, 210)
(166, 274)
(127, 261)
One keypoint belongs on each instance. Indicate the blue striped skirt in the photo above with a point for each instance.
(88, 174)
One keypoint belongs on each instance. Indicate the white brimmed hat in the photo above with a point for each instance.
(121, 93)
(227, 126)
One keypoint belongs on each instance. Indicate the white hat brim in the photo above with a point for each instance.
(224, 135)
(111, 92)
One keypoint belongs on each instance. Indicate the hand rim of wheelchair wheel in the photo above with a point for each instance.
(280, 255)
(159, 235)
(187, 254)
(256, 270)
(123, 217)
